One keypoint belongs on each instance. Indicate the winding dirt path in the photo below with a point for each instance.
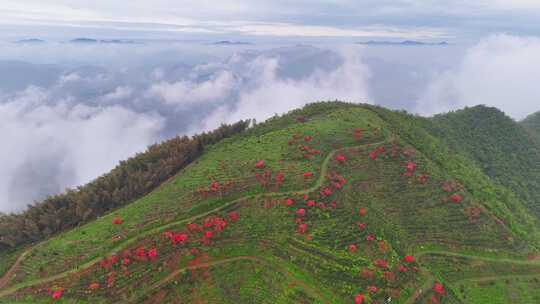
(310, 290)
(7, 275)
(314, 187)
(431, 280)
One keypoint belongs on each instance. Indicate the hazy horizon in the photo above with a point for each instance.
(71, 111)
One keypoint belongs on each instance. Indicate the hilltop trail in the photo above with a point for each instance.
(318, 184)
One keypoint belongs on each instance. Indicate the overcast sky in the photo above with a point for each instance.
(398, 19)
(70, 112)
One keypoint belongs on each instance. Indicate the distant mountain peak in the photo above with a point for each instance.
(229, 42)
(111, 41)
(405, 43)
(31, 40)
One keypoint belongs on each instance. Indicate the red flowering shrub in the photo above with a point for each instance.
(340, 158)
(361, 226)
(438, 289)
(362, 212)
(381, 263)
(233, 216)
(93, 286)
(260, 164)
(180, 238)
(289, 202)
(408, 259)
(152, 254)
(279, 179)
(358, 299)
(456, 198)
(369, 237)
(352, 248)
(372, 289)
(140, 253)
(308, 174)
(302, 228)
(116, 221)
(410, 166)
(301, 212)
(57, 294)
(214, 186)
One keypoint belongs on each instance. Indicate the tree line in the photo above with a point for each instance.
(128, 181)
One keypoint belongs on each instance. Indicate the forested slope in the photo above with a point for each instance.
(501, 147)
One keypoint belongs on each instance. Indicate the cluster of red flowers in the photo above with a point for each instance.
(409, 169)
(375, 153)
(117, 221)
(438, 291)
(340, 158)
(214, 186)
(306, 150)
(266, 178)
(451, 186)
(456, 198)
(207, 230)
(56, 294)
(260, 164)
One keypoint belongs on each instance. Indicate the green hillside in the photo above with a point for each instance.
(332, 203)
(532, 123)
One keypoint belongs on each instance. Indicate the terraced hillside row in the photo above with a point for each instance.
(333, 203)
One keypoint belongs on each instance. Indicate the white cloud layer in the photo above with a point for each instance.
(51, 145)
(271, 95)
(500, 71)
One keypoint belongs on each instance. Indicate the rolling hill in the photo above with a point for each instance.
(332, 203)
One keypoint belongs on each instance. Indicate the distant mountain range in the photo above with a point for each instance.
(112, 41)
(32, 40)
(227, 42)
(406, 43)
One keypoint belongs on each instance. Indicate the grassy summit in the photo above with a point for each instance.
(332, 203)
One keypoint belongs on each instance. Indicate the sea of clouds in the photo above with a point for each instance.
(69, 112)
